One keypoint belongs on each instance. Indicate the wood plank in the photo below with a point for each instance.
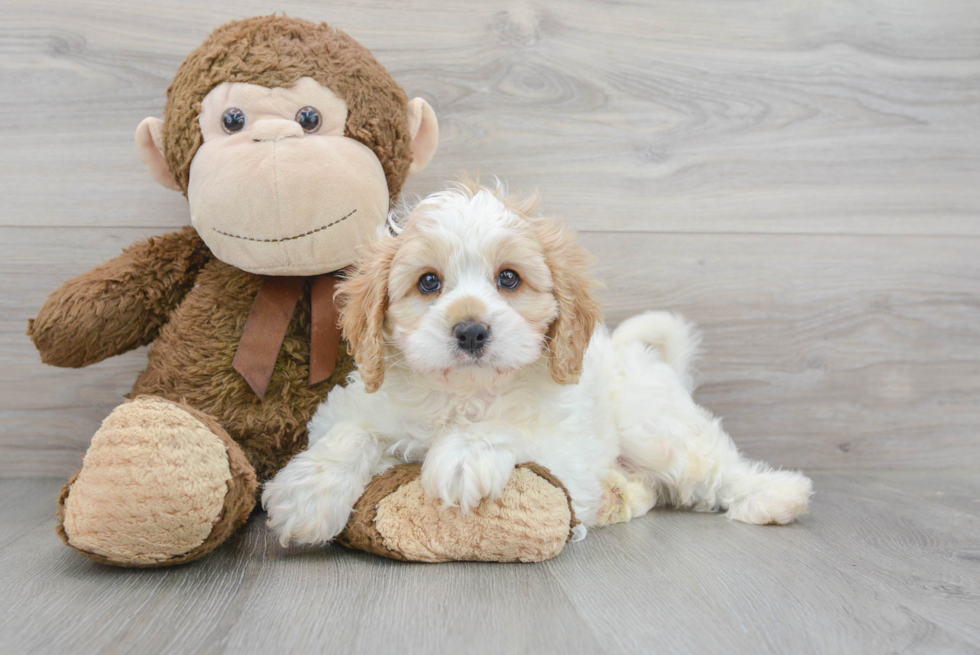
(868, 571)
(461, 605)
(821, 352)
(760, 116)
(940, 541)
(954, 491)
(852, 577)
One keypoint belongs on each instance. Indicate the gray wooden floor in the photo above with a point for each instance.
(887, 562)
(798, 177)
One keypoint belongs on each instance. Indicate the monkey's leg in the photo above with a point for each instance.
(161, 484)
(530, 522)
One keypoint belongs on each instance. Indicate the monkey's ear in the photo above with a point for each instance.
(424, 128)
(149, 142)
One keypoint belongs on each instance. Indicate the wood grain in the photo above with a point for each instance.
(878, 566)
(854, 116)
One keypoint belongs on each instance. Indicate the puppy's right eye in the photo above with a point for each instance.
(233, 120)
(429, 283)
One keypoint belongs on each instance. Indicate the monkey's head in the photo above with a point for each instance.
(290, 141)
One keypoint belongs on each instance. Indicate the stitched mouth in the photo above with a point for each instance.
(292, 238)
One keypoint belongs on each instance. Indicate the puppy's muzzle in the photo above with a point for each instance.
(471, 336)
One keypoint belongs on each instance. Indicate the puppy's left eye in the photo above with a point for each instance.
(429, 283)
(509, 279)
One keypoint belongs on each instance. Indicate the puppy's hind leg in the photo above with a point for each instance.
(694, 464)
(719, 477)
(677, 447)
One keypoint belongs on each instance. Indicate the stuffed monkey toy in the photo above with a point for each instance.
(290, 142)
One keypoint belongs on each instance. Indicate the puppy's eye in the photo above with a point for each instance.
(233, 120)
(509, 279)
(309, 119)
(429, 283)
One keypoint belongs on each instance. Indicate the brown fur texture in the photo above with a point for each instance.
(521, 527)
(196, 317)
(120, 305)
(274, 52)
(191, 362)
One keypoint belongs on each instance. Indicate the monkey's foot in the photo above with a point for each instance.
(531, 522)
(161, 484)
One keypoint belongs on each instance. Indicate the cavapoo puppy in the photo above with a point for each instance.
(478, 347)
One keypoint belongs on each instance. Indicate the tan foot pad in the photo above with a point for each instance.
(531, 522)
(152, 487)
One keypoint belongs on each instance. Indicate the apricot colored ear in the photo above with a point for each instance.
(363, 297)
(149, 143)
(578, 312)
(424, 128)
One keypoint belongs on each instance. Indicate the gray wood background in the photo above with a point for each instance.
(800, 177)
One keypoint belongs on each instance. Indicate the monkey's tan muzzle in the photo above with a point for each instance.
(271, 211)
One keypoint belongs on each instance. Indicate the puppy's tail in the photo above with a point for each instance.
(676, 340)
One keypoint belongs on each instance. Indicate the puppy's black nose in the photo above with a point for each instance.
(472, 336)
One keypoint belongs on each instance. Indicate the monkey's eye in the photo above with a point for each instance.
(509, 279)
(309, 119)
(429, 283)
(233, 120)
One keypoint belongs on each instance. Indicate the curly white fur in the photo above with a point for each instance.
(630, 415)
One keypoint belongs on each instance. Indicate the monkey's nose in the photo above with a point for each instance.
(471, 336)
(273, 129)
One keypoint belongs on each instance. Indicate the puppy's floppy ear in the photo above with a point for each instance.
(363, 299)
(578, 312)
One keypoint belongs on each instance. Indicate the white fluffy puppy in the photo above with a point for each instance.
(475, 334)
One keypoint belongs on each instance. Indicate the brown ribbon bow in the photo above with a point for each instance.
(266, 327)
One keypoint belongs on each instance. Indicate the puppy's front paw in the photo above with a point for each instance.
(462, 474)
(304, 505)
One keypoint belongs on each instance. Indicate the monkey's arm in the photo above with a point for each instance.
(120, 305)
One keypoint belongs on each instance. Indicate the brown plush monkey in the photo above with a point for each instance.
(290, 141)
